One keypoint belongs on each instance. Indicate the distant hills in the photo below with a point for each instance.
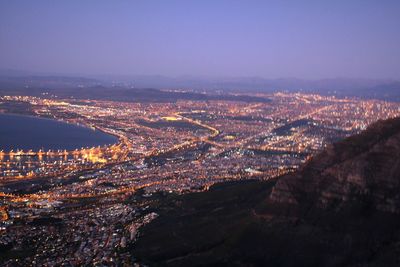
(366, 88)
(341, 209)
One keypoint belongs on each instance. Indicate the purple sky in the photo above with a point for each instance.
(271, 39)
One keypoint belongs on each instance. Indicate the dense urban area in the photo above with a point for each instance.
(86, 206)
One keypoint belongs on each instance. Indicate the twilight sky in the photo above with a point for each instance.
(271, 39)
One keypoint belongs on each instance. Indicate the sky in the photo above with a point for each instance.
(269, 39)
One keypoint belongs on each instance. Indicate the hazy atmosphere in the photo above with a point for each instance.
(270, 39)
(200, 133)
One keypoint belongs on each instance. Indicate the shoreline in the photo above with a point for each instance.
(85, 126)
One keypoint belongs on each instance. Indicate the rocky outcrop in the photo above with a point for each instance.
(365, 167)
(341, 209)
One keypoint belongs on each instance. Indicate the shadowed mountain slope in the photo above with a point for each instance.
(362, 166)
(341, 209)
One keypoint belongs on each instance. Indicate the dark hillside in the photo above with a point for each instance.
(340, 209)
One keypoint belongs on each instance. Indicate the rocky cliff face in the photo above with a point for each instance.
(341, 209)
(365, 166)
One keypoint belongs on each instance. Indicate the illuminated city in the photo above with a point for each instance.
(162, 147)
(199, 133)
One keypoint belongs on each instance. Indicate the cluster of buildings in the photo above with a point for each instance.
(81, 213)
(69, 236)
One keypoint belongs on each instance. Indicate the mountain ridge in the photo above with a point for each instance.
(385, 89)
(366, 164)
(315, 217)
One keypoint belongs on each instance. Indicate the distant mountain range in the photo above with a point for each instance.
(341, 209)
(87, 89)
(367, 88)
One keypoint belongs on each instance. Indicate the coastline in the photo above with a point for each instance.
(118, 140)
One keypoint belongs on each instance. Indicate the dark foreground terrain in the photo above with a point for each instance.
(341, 209)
